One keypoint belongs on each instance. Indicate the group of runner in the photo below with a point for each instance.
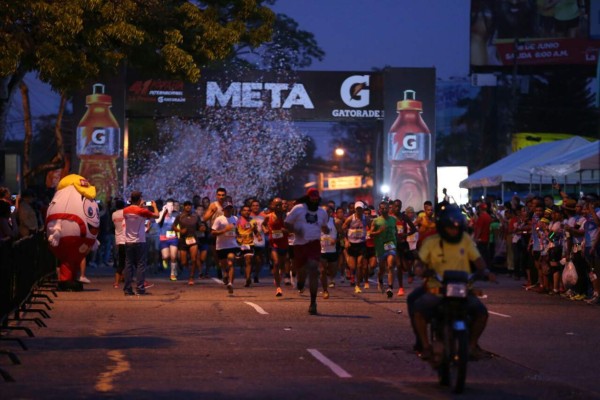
(355, 242)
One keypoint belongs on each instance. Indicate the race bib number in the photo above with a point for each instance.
(389, 246)
(355, 233)
(230, 233)
(170, 234)
(327, 241)
(190, 240)
(277, 234)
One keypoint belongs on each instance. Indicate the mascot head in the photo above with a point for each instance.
(74, 202)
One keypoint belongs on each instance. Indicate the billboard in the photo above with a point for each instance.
(100, 116)
(164, 121)
(311, 96)
(527, 32)
(409, 166)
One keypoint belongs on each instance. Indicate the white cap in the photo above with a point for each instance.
(359, 204)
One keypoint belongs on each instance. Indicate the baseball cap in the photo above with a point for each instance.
(359, 204)
(312, 193)
(227, 204)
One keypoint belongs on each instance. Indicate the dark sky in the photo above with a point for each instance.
(362, 34)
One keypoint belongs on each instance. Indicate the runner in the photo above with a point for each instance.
(356, 227)
(329, 254)
(306, 220)
(247, 230)
(168, 237)
(260, 244)
(278, 240)
(226, 244)
(384, 232)
(187, 225)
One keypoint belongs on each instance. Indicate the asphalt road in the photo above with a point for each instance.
(199, 342)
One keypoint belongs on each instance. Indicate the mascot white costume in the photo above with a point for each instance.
(72, 224)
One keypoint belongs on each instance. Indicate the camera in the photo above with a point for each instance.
(148, 203)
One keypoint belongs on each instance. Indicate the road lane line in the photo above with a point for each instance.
(258, 308)
(105, 379)
(498, 314)
(339, 371)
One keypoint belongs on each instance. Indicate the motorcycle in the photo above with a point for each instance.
(449, 331)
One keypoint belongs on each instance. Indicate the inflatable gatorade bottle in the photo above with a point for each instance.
(409, 152)
(98, 143)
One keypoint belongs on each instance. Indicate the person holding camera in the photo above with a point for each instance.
(136, 250)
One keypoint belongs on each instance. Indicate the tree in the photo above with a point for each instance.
(73, 41)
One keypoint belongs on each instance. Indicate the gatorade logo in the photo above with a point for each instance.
(99, 136)
(410, 142)
(355, 91)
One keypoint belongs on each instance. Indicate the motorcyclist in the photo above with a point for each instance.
(449, 249)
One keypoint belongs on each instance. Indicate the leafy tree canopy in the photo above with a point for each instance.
(71, 41)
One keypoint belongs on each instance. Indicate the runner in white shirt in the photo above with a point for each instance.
(223, 228)
(306, 220)
(329, 254)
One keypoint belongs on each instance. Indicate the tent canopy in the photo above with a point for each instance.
(517, 166)
(581, 159)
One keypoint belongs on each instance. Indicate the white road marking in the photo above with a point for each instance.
(105, 379)
(339, 371)
(500, 315)
(258, 308)
(218, 280)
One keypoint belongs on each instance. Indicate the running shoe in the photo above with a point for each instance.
(389, 293)
(165, 264)
(357, 289)
(173, 277)
(326, 295)
(366, 285)
(116, 285)
(83, 279)
(190, 282)
(148, 285)
(312, 309)
(248, 283)
(578, 297)
(230, 288)
(256, 279)
(331, 284)
(401, 292)
(286, 281)
(278, 292)
(595, 299)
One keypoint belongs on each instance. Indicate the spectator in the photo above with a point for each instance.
(26, 215)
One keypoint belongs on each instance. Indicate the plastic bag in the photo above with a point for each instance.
(569, 275)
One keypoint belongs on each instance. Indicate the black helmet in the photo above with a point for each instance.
(449, 215)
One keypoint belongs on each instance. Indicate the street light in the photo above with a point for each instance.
(339, 152)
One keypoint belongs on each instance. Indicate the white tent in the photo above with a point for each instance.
(585, 158)
(517, 166)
